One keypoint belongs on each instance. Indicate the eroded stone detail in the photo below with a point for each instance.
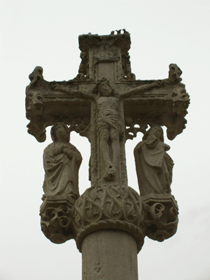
(153, 164)
(84, 65)
(161, 216)
(109, 207)
(154, 171)
(106, 57)
(108, 128)
(61, 163)
(174, 73)
(106, 104)
(34, 99)
(56, 219)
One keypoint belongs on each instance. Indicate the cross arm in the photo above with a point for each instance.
(74, 93)
(51, 102)
(160, 102)
(165, 106)
(140, 89)
(148, 86)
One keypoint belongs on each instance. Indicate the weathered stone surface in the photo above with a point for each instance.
(106, 57)
(61, 163)
(56, 219)
(153, 164)
(109, 255)
(154, 171)
(106, 104)
(161, 216)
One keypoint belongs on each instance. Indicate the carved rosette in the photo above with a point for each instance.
(56, 219)
(109, 207)
(161, 216)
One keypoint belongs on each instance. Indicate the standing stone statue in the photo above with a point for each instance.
(154, 172)
(61, 164)
(153, 164)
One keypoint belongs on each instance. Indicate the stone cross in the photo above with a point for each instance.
(106, 104)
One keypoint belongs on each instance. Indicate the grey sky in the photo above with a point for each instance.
(45, 33)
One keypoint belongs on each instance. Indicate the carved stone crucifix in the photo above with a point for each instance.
(106, 104)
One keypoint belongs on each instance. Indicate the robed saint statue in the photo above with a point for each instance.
(153, 164)
(61, 164)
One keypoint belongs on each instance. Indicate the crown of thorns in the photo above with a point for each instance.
(103, 80)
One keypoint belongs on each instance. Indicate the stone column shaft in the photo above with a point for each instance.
(109, 255)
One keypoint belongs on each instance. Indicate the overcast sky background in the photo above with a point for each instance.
(45, 33)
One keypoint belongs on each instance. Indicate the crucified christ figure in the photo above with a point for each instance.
(109, 127)
(108, 120)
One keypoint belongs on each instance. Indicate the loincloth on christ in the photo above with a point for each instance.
(108, 121)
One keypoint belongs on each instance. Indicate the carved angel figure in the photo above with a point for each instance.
(61, 164)
(153, 164)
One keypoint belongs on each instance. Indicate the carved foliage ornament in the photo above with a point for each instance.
(56, 220)
(161, 216)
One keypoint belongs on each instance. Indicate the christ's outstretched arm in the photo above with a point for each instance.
(141, 89)
(75, 93)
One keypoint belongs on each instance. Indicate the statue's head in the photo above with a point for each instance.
(36, 74)
(103, 88)
(174, 73)
(155, 130)
(60, 132)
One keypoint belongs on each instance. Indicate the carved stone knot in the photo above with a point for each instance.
(108, 207)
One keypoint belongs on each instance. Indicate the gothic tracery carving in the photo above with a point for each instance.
(109, 207)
